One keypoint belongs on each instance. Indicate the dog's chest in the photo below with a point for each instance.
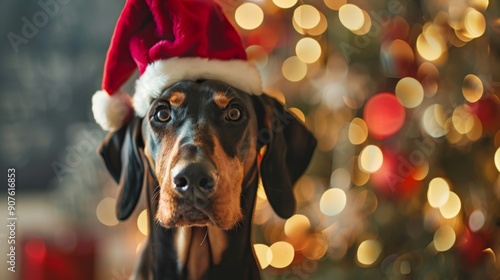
(198, 248)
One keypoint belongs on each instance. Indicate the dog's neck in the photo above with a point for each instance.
(204, 252)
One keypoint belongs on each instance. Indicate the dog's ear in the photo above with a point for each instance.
(122, 152)
(289, 149)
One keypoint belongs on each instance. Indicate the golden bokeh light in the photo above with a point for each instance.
(261, 193)
(308, 50)
(285, 4)
(438, 192)
(452, 135)
(428, 50)
(359, 177)
(473, 127)
(358, 131)
(249, 16)
(371, 159)
(476, 220)
(410, 92)
(257, 55)
(276, 93)
(444, 238)
(367, 25)
(297, 226)
(142, 222)
(401, 51)
(428, 75)
(421, 171)
(139, 247)
(368, 252)
(430, 44)
(433, 121)
(474, 23)
(106, 213)
(317, 246)
(351, 17)
(340, 178)
(306, 16)
(263, 254)
(294, 69)
(463, 35)
(298, 113)
(479, 4)
(297, 28)
(320, 28)
(335, 4)
(459, 119)
(497, 159)
(472, 88)
(282, 254)
(332, 202)
(451, 207)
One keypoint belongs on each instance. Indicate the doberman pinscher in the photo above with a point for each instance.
(196, 156)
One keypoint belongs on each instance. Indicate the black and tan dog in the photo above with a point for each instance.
(195, 156)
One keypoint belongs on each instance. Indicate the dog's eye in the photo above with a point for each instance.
(163, 115)
(233, 114)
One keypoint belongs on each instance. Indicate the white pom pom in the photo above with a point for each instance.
(111, 112)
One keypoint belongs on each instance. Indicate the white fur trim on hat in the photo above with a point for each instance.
(110, 112)
(163, 73)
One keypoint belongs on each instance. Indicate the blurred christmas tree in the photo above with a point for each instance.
(403, 98)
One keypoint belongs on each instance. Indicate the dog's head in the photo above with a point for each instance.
(200, 141)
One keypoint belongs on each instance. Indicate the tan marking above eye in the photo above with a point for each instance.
(221, 99)
(176, 98)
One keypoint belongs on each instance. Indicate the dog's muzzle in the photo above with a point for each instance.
(194, 182)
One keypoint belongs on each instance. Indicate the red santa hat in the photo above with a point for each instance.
(168, 41)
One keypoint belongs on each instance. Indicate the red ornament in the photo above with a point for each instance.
(471, 246)
(44, 260)
(487, 110)
(384, 115)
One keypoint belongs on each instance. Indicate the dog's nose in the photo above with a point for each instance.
(194, 176)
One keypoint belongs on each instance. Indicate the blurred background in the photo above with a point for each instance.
(403, 96)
